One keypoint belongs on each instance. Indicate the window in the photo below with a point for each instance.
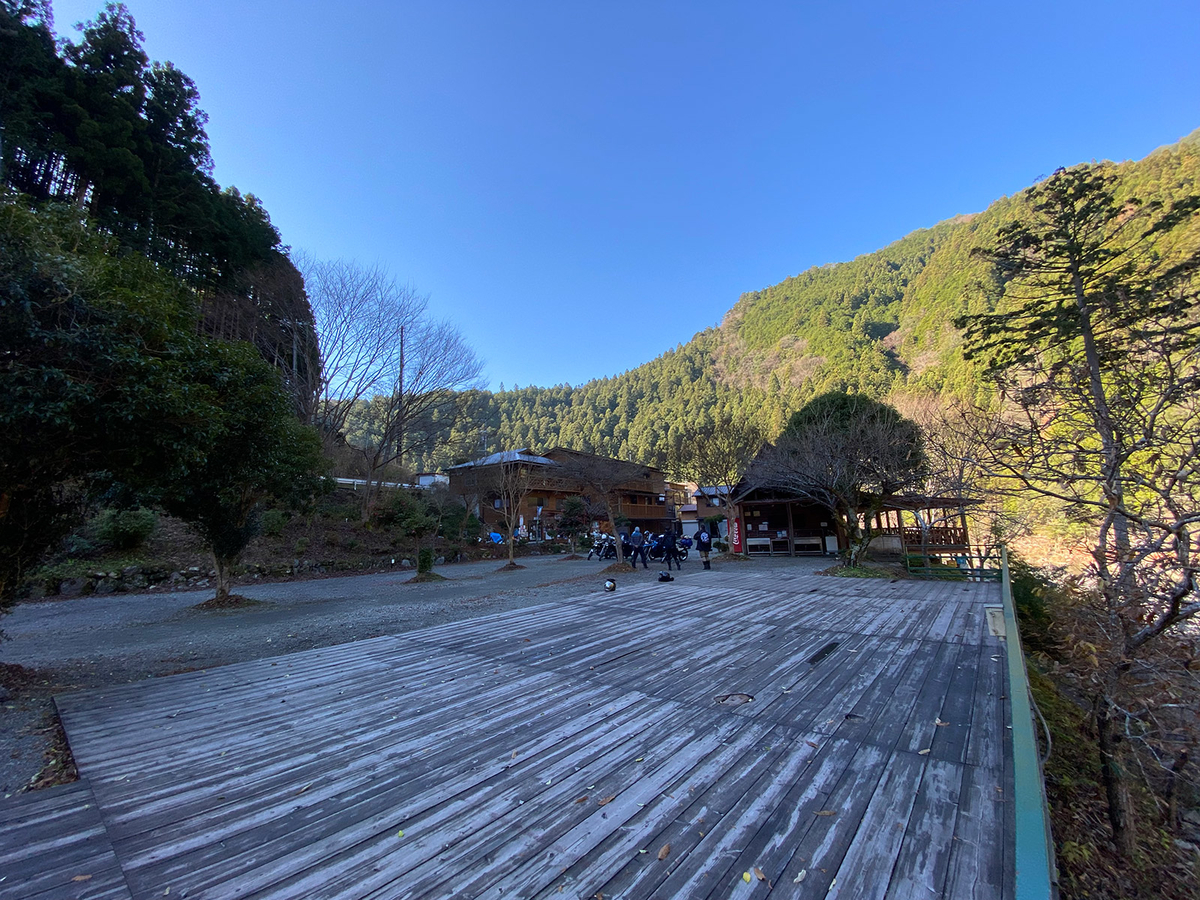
(497, 503)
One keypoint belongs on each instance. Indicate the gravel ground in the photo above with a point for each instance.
(94, 641)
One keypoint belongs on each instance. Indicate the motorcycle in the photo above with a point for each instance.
(604, 548)
(657, 549)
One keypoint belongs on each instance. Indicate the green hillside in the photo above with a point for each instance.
(878, 324)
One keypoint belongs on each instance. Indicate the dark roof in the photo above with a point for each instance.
(524, 455)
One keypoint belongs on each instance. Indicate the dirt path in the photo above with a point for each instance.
(97, 640)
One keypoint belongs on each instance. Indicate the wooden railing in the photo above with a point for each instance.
(939, 536)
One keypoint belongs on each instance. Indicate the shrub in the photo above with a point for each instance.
(1030, 589)
(300, 546)
(125, 529)
(273, 521)
(425, 561)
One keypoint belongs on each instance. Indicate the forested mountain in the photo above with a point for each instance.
(879, 324)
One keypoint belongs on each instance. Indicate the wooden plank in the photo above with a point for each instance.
(292, 777)
(975, 870)
(446, 845)
(813, 832)
(53, 845)
(707, 836)
(697, 797)
(358, 770)
(871, 857)
(923, 860)
(419, 802)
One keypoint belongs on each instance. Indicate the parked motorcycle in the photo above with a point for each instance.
(604, 548)
(657, 549)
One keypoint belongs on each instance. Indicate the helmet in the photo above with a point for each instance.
(610, 586)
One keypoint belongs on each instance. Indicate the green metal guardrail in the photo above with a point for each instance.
(951, 566)
(1036, 874)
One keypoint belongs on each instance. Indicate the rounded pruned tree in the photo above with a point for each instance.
(848, 453)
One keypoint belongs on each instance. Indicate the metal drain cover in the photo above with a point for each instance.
(734, 699)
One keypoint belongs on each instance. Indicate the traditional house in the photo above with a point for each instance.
(772, 523)
(638, 492)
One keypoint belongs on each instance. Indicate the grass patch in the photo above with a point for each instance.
(83, 568)
(233, 601)
(618, 568)
(426, 577)
(857, 572)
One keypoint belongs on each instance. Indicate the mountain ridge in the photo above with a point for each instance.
(879, 324)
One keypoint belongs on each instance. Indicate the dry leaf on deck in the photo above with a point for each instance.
(82, 878)
(608, 800)
(825, 812)
(746, 877)
(813, 744)
(582, 799)
(924, 752)
(940, 723)
(758, 873)
(800, 876)
(664, 851)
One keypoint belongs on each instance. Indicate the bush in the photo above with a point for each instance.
(1030, 589)
(125, 529)
(425, 561)
(273, 521)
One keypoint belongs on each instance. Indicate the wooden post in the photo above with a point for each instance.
(791, 532)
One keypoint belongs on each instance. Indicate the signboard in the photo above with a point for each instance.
(735, 535)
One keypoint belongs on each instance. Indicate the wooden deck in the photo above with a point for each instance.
(578, 749)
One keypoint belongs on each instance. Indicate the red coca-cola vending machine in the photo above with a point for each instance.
(735, 534)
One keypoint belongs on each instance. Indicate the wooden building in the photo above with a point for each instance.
(772, 523)
(641, 494)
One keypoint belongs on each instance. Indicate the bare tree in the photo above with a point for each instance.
(359, 312)
(954, 446)
(718, 455)
(849, 454)
(416, 410)
(512, 482)
(600, 480)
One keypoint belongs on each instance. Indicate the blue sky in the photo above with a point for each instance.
(580, 187)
